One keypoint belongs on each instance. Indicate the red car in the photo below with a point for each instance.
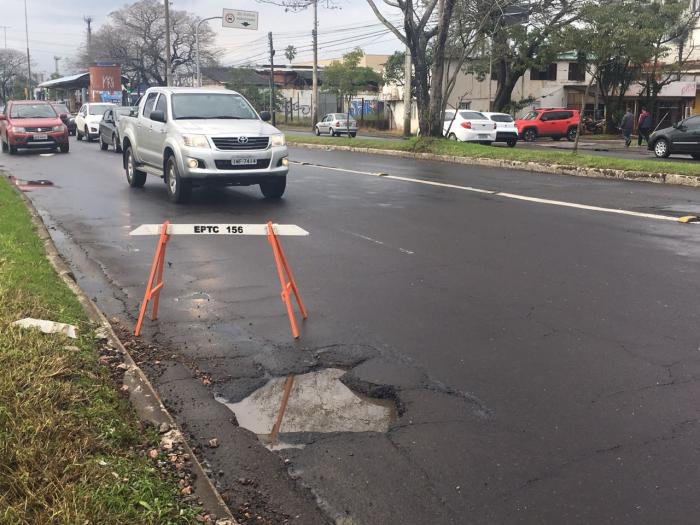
(32, 124)
(549, 122)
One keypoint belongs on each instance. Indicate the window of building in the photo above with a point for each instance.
(549, 73)
(577, 72)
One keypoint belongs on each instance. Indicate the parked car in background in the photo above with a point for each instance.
(196, 137)
(335, 124)
(505, 128)
(549, 122)
(26, 124)
(682, 137)
(87, 121)
(68, 119)
(469, 126)
(109, 127)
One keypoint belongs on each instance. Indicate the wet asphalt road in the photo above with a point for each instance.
(545, 360)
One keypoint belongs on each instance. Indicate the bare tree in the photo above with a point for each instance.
(13, 67)
(134, 36)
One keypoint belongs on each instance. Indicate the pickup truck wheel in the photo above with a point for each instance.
(136, 178)
(178, 190)
(13, 149)
(103, 144)
(274, 189)
(65, 148)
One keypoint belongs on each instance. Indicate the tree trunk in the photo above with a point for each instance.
(422, 91)
(507, 79)
(445, 9)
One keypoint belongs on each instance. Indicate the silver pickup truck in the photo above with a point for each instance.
(195, 137)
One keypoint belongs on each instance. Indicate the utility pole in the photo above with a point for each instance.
(88, 21)
(5, 28)
(407, 94)
(56, 59)
(29, 62)
(272, 78)
(168, 71)
(314, 82)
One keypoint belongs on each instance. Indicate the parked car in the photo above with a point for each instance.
(109, 127)
(87, 121)
(469, 126)
(505, 128)
(29, 124)
(682, 137)
(66, 117)
(550, 122)
(336, 124)
(195, 137)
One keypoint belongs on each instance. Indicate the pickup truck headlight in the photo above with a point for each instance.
(18, 129)
(277, 140)
(195, 141)
(57, 128)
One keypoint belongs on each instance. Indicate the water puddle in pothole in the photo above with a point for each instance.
(318, 402)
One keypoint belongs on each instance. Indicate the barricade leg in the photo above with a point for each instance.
(156, 272)
(287, 281)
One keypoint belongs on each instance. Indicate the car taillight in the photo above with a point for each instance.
(466, 125)
(337, 123)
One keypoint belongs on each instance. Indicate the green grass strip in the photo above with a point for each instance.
(468, 150)
(71, 449)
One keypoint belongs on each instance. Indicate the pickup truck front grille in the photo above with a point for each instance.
(261, 164)
(240, 143)
(36, 130)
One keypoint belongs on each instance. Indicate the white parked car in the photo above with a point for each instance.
(469, 126)
(87, 121)
(505, 128)
(336, 124)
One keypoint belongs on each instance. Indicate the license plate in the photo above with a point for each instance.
(40, 136)
(483, 136)
(244, 162)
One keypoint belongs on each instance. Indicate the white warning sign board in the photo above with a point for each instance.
(240, 19)
(219, 229)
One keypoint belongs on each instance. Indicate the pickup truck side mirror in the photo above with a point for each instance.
(265, 116)
(158, 116)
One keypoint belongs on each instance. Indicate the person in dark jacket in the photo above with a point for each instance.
(644, 126)
(626, 126)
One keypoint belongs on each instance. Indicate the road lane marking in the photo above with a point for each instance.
(506, 195)
(375, 241)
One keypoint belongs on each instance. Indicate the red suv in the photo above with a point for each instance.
(32, 124)
(550, 122)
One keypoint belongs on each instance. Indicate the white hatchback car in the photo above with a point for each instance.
(469, 126)
(505, 128)
(87, 121)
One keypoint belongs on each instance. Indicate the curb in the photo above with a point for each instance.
(533, 167)
(142, 394)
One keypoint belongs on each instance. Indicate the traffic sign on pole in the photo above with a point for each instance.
(240, 19)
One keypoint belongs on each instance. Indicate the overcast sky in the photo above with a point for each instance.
(56, 28)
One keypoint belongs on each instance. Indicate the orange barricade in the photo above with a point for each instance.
(156, 268)
(155, 281)
(287, 285)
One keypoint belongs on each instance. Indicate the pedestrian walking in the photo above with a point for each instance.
(644, 126)
(626, 126)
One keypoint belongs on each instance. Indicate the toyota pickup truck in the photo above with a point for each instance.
(195, 137)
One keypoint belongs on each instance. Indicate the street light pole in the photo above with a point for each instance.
(314, 81)
(196, 42)
(29, 62)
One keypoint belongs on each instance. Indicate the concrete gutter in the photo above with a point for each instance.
(142, 395)
(534, 167)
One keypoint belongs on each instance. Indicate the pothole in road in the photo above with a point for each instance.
(319, 403)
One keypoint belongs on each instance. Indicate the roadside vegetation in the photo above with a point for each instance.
(71, 449)
(468, 150)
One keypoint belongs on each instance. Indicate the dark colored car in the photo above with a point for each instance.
(551, 122)
(682, 137)
(109, 130)
(65, 114)
(32, 124)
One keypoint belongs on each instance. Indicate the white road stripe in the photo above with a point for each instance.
(515, 196)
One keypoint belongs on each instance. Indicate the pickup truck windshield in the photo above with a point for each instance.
(32, 111)
(207, 106)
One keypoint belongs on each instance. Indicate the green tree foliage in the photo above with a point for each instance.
(243, 81)
(290, 52)
(346, 78)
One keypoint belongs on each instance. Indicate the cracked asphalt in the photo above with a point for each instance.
(544, 361)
